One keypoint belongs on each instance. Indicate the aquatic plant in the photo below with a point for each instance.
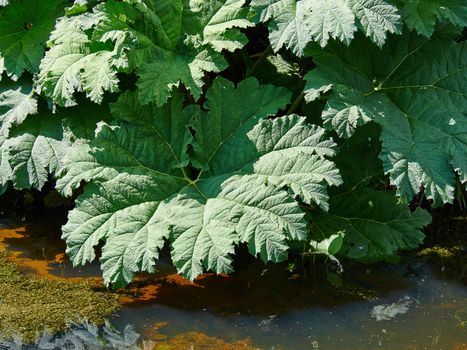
(206, 125)
(29, 303)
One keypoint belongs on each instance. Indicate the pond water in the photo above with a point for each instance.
(411, 305)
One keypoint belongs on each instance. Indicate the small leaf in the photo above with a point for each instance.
(17, 101)
(329, 246)
(35, 149)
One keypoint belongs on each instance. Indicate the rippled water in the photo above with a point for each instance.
(405, 306)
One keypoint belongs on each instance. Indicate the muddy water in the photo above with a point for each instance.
(407, 306)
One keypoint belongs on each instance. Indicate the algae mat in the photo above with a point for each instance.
(30, 304)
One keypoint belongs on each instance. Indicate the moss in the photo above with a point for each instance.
(439, 252)
(31, 304)
(452, 260)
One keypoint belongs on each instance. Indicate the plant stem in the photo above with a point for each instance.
(296, 104)
(259, 61)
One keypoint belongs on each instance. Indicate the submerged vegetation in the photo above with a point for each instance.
(30, 304)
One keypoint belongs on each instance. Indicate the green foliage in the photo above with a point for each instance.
(421, 15)
(238, 196)
(17, 101)
(24, 28)
(133, 104)
(418, 96)
(294, 24)
(375, 226)
(176, 43)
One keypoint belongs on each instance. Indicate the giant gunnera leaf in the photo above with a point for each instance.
(5, 170)
(416, 89)
(168, 42)
(374, 225)
(25, 26)
(294, 24)
(35, 148)
(421, 15)
(17, 101)
(251, 171)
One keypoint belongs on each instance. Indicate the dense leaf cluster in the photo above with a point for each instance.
(205, 125)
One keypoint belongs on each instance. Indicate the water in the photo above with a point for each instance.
(406, 306)
(423, 315)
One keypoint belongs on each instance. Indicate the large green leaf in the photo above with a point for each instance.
(17, 101)
(77, 63)
(418, 96)
(5, 169)
(374, 225)
(421, 15)
(294, 24)
(141, 195)
(25, 26)
(36, 148)
(168, 42)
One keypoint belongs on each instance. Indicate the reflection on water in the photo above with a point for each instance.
(426, 314)
(408, 306)
(83, 336)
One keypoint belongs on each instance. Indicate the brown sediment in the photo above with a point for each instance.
(37, 254)
(199, 341)
(38, 264)
(33, 298)
(193, 340)
(243, 291)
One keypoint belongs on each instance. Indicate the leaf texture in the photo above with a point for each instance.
(421, 15)
(77, 63)
(375, 227)
(141, 196)
(25, 26)
(35, 149)
(418, 97)
(17, 101)
(294, 24)
(178, 42)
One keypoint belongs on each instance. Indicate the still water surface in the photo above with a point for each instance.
(406, 306)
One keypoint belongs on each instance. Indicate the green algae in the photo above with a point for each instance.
(30, 304)
(442, 253)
